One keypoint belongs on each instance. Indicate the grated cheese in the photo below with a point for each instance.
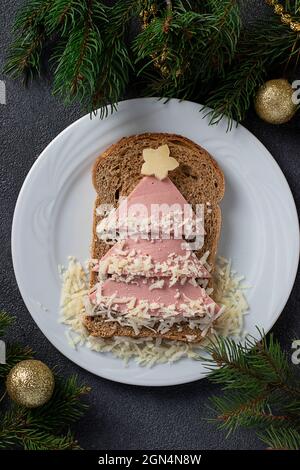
(176, 267)
(159, 284)
(114, 227)
(228, 291)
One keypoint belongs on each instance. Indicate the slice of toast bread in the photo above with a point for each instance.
(198, 177)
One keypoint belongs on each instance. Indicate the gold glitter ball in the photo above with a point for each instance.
(273, 101)
(30, 383)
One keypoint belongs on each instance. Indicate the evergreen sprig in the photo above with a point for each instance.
(46, 427)
(281, 439)
(183, 48)
(115, 60)
(14, 352)
(24, 59)
(267, 43)
(188, 48)
(260, 389)
(5, 321)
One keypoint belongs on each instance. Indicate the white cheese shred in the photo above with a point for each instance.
(228, 292)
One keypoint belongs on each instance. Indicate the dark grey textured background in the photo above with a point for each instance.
(120, 416)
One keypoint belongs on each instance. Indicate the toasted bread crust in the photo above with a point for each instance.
(116, 172)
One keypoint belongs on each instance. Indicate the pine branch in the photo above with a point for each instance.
(24, 57)
(65, 14)
(31, 14)
(292, 6)
(5, 321)
(14, 354)
(78, 62)
(36, 440)
(235, 370)
(64, 408)
(250, 410)
(232, 97)
(221, 46)
(16, 431)
(11, 425)
(46, 427)
(115, 59)
(168, 49)
(93, 64)
(281, 439)
(259, 387)
(237, 410)
(123, 11)
(253, 365)
(293, 407)
(273, 362)
(186, 49)
(265, 43)
(181, 51)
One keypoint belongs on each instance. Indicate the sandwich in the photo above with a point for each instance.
(148, 279)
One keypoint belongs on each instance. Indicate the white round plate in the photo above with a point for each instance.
(53, 219)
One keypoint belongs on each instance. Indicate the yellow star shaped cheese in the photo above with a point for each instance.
(158, 162)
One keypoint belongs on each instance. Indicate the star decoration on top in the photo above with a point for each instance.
(158, 162)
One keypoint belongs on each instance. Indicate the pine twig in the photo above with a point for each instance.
(14, 353)
(185, 49)
(24, 58)
(281, 439)
(259, 389)
(46, 427)
(115, 58)
(5, 321)
(182, 50)
(265, 43)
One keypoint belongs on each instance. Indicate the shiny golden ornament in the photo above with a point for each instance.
(273, 101)
(30, 383)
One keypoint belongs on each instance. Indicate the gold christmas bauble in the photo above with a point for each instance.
(30, 383)
(273, 101)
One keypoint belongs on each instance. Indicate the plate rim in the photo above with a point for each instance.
(43, 155)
